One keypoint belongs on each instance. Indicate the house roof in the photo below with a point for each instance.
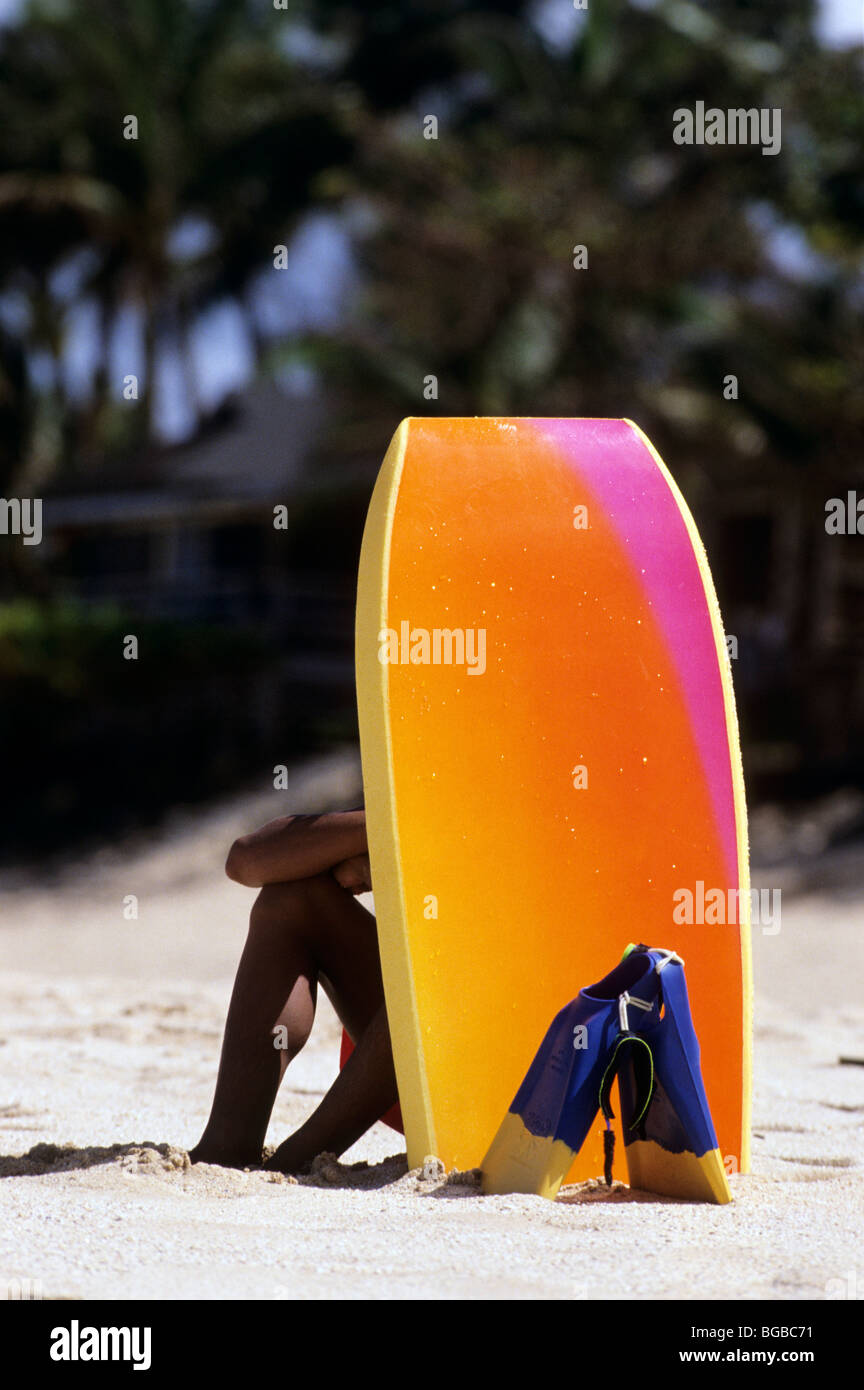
(253, 453)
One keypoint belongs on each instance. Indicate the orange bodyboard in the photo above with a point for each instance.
(539, 796)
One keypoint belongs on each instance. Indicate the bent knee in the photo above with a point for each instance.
(282, 903)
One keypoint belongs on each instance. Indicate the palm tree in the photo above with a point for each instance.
(468, 253)
(119, 121)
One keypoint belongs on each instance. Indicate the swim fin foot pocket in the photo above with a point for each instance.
(634, 1026)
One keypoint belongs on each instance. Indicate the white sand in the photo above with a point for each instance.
(109, 1043)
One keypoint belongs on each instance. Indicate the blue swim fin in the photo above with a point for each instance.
(671, 1146)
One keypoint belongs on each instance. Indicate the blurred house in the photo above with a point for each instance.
(249, 625)
(187, 531)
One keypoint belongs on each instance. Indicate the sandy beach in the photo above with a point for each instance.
(108, 1047)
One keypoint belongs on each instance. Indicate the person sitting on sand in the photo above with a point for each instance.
(306, 928)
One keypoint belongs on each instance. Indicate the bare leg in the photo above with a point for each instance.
(299, 932)
(362, 1092)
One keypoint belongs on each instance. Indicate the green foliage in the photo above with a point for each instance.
(703, 260)
(95, 745)
(76, 653)
(468, 239)
(230, 131)
(468, 257)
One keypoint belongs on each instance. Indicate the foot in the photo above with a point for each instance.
(289, 1159)
(223, 1158)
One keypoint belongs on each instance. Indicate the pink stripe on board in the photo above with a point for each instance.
(615, 466)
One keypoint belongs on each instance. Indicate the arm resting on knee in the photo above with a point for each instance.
(296, 847)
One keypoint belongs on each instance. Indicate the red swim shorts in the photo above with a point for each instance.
(393, 1118)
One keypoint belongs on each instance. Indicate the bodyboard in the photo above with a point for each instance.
(550, 760)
